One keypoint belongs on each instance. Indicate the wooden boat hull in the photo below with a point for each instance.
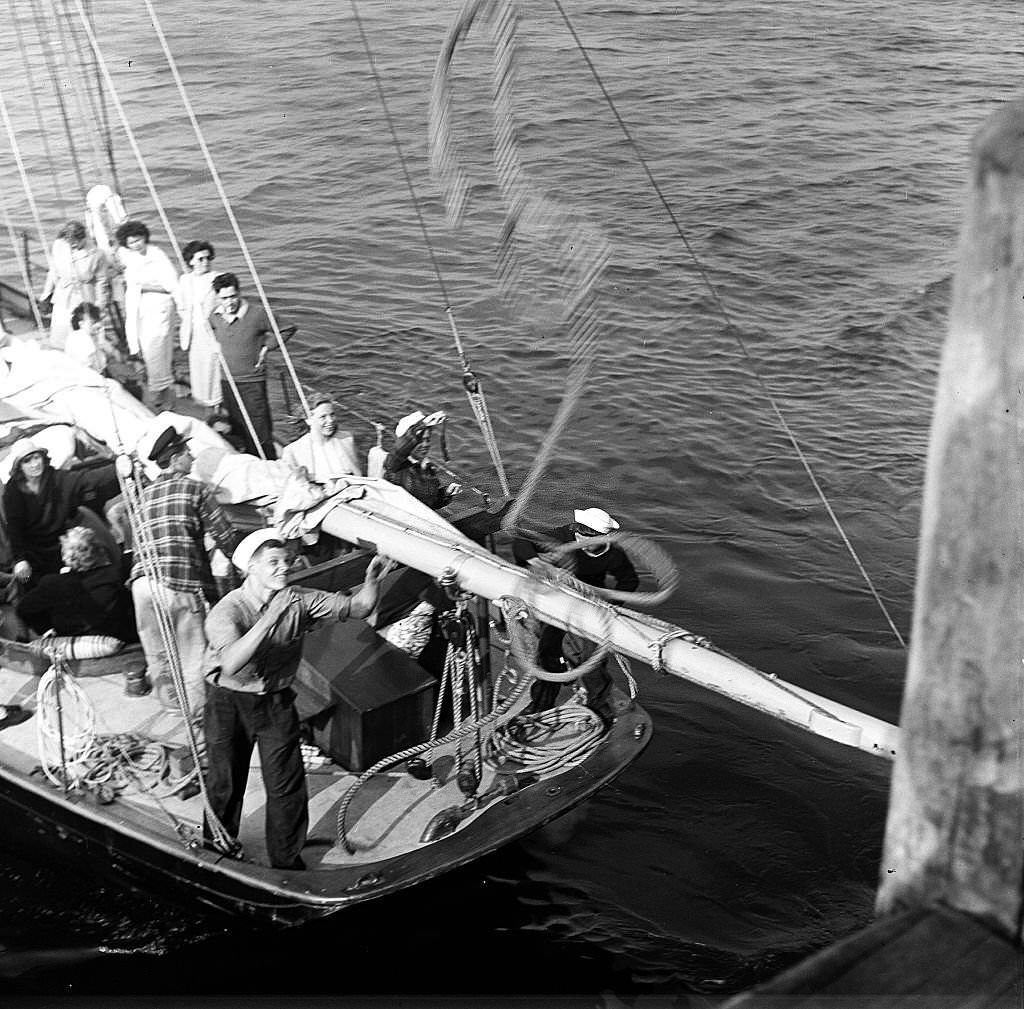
(74, 829)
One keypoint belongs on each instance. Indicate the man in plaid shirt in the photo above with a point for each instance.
(172, 567)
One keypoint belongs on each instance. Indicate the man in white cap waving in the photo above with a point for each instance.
(407, 464)
(255, 644)
(599, 565)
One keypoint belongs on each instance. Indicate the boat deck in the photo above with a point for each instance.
(386, 818)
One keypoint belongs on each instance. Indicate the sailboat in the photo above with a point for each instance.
(413, 776)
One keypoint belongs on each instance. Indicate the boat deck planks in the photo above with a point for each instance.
(924, 958)
(401, 806)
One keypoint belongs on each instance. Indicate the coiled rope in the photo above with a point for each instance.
(147, 554)
(458, 733)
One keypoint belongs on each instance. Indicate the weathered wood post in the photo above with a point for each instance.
(955, 832)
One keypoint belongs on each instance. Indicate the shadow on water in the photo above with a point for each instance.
(70, 935)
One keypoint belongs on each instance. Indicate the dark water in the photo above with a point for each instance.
(815, 155)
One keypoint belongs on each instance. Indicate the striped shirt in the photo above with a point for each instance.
(177, 514)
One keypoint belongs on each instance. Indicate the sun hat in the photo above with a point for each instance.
(595, 520)
(22, 449)
(242, 555)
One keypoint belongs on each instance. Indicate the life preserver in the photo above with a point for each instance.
(104, 213)
(86, 646)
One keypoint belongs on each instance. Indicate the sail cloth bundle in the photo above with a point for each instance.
(540, 238)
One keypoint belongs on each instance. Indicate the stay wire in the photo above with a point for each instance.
(225, 202)
(731, 326)
(33, 92)
(58, 93)
(61, 23)
(470, 381)
(25, 183)
(151, 186)
(91, 78)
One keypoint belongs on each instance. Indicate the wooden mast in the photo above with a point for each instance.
(955, 831)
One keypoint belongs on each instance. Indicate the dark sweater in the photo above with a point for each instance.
(35, 522)
(612, 564)
(81, 602)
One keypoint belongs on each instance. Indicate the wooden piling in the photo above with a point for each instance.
(955, 831)
(950, 896)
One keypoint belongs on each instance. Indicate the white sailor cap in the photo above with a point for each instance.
(242, 554)
(408, 421)
(596, 519)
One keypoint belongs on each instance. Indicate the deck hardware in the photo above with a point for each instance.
(365, 882)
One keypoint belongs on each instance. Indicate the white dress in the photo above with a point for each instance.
(196, 300)
(75, 276)
(148, 315)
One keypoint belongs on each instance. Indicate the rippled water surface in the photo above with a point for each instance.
(815, 156)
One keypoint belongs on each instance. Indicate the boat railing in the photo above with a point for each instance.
(31, 268)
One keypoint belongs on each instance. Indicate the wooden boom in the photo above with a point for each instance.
(393, 523)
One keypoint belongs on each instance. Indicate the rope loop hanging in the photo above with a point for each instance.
(470, 381)
(540, 239)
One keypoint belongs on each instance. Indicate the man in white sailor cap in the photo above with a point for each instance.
(407, 464)
(255, 644)
(604, 565)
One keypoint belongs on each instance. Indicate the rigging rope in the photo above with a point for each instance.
(30, 80)
(158, 204)
(94, 93)
(146, 552)
(470, 381)
(44, 41)
(577, 251)
(731, 327)
(26, 185)
(61, 22)
(226, 203)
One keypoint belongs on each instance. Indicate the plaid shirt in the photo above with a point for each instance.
(177, 513)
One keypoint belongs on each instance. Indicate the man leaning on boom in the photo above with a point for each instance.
(255, 644)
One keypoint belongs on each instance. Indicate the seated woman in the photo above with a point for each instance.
(40, 502)
(88, 597)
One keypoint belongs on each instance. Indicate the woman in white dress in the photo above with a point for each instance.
(77, 275)
(150, 283)
(195, 300)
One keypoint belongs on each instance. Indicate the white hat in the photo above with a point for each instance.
(596, 519)
(22, 449)
(243, 552)
(408, 421)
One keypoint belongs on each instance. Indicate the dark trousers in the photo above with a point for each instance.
(549, 656)
(233, 721)
(254, 396)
